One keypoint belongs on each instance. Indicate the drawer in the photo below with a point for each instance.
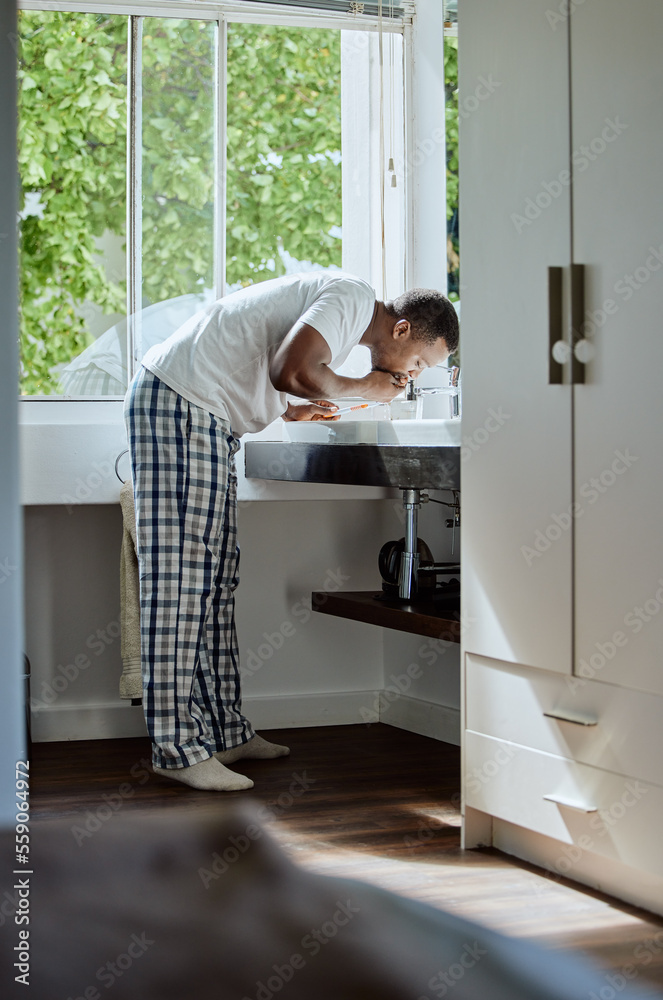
(610, 727)
(600, 812)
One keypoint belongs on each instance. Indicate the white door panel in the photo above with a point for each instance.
(514, 223)
(617, 129)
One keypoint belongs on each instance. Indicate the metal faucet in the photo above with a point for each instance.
(413, 391)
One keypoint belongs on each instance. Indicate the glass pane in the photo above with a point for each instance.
(451, 113)
(178, 173)
(284, 151)
(72, 164)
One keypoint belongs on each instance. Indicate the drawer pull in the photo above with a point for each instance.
(572, 717)
(568, 804)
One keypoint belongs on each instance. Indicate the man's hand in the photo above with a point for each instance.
(381, 386)
(319, 409)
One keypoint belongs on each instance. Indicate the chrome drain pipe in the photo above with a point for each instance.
(409, 565)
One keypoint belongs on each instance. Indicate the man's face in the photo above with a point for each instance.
(402, 354)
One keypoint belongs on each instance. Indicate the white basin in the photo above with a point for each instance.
(333, 431)
(404, 432)
(432, 431)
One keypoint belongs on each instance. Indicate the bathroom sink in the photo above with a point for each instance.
(405, 454)
(414, 432)
(445, 433)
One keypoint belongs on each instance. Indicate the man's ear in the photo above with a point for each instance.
(402, 328)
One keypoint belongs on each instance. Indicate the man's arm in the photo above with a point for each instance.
(301, 368)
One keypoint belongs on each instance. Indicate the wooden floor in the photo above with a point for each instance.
(371, 802)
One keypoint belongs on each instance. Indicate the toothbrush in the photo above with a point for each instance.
(349, 409)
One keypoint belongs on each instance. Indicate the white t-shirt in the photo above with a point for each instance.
(219, 359)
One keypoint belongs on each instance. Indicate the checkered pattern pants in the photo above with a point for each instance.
(185, 488)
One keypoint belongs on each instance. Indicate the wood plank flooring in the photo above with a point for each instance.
(369, 802)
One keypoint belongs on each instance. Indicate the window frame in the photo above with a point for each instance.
(223, 13)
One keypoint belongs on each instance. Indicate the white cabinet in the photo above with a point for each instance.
(601, 812)
(516, 469)
(562, 538)
(591, 722)
(617, 74)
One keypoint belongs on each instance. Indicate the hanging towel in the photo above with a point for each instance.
(131, 684)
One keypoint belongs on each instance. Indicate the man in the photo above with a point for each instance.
(226, 372)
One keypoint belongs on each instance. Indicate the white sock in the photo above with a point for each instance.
(209, 775)
(255, 748)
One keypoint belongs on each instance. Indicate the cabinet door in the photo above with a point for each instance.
(617, 138)
(514, 224)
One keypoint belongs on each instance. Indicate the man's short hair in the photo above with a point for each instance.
(430, 315)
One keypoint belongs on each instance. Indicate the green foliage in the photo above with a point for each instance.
(284, 146)
(178, 157)
(284, 173)
(72, 130)
(451, 115)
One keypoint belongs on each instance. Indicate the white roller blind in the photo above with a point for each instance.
(398, 9)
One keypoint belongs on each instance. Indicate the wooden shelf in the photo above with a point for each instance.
(419, 616)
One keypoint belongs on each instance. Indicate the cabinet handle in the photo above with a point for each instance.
(558, 350)
(576, 720)
(577, 322)
(568, 804)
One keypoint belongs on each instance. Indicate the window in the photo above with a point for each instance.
(284, 186)
(451, 122)
(166, 160)
(72, 166)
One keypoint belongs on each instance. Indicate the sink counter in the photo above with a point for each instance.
(401, 466)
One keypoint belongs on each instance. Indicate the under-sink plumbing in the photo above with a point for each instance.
(409, 568)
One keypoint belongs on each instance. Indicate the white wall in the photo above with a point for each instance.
(330, 668)
(421, 675)
(324, 671)
(12, 736)
(299, 668)
(72, 560)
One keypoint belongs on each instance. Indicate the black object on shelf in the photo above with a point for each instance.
(446, 594)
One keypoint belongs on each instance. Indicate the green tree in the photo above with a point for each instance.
(72, 134)
(178, 179)
(284, 145)
(284, 173)
(451, 116)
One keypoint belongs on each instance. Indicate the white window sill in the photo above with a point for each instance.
(69, 449)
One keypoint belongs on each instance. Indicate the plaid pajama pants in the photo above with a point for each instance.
(185, 488)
